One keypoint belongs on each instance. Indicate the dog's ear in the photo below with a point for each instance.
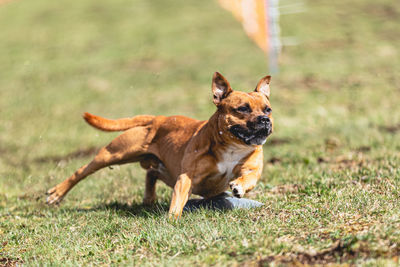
(263, 86)
(220, 88)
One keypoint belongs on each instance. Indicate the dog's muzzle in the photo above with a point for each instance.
(255, 133)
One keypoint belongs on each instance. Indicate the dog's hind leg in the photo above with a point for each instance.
(155, 170)
(128, 147)
(150, 190)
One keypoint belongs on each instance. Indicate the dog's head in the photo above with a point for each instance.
(245, 116)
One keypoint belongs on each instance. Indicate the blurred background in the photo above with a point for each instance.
(335, 98)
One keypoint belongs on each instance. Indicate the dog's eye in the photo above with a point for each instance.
(267, 110)
(244, 109)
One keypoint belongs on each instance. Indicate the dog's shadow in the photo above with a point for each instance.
(160, 208)
(222, 202)
(131, 210)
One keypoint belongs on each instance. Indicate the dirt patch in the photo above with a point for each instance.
(279, 141)
(386, 11)
(363, 149)
(9, 262)
(339, 252)
(332, 143)
(351, 161)
(345, 163)
(274, 160)
(81, 153)
(329, 255)
(390, 129)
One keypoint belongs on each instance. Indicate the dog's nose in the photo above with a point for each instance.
(263, 119)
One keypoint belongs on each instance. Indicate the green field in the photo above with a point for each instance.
(332, 167)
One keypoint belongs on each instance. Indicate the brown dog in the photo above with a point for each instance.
(200, 157)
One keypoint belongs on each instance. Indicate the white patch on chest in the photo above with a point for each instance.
(231, 156)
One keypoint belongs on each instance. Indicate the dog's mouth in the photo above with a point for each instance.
(251, 136)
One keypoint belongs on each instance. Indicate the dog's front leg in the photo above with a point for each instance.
(180, 195)
(248, 173)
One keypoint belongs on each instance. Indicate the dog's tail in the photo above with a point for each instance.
(118, 124)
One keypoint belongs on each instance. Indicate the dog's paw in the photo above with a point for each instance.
(237, 189)
(53, 196)
(149, 201)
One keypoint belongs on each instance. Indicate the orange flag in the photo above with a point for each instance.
(253, 14)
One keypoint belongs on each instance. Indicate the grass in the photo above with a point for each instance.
(332, 168)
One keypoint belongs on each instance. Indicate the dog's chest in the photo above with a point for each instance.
(230, 158)
(218, 182)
